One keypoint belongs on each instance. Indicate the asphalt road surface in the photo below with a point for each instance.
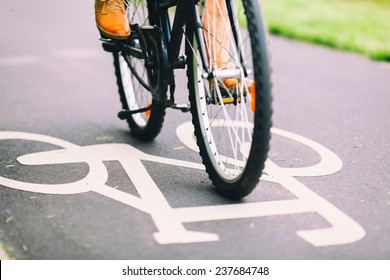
(99, 194)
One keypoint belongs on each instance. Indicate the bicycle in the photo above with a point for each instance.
(232, 129)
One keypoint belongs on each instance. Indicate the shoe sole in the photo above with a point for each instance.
(109, 35)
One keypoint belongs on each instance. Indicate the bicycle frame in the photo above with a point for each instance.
(174, 33)
(172, 41)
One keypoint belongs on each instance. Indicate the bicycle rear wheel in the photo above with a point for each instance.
(232, 123)
(135, 83)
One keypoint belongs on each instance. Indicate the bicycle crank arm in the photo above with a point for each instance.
(125, 114)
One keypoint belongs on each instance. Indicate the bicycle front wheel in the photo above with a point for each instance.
(229, 82)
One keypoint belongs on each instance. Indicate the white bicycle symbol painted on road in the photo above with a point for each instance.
(170, 221)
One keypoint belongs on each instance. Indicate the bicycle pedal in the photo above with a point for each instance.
(225, 100)
(109, 45)
(182, 107)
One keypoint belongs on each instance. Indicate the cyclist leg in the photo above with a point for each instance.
(217, 40)
(217, 33)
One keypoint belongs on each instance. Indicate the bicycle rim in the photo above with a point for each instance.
(232, 124)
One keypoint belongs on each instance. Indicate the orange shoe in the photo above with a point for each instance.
(111, 19)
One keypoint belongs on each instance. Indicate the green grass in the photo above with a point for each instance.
(361, 26)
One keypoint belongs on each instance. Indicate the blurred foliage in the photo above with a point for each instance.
(361, 26)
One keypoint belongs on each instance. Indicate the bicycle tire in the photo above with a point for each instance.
(132, 80)
(233, 165)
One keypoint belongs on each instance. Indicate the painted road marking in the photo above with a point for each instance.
(169, 221)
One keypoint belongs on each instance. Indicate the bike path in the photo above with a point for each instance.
(325, 195)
